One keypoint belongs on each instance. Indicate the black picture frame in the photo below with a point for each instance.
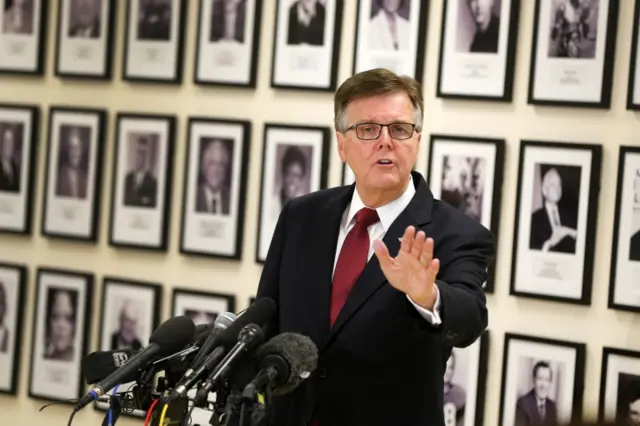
(299, 59)
(140, 218)
(610, 401)
(476, 75)
(246, 78)
(559, 99)
(568, 159)
(206, 298)
(633, 100)
(492, 151)
(76, 53)
(34, 63)
(234, 138)
(89, 203)
(316, 141)
(175, 46)
(554, 349)
(30, 116)
(625, 254)
(83, 281)
(11, 343)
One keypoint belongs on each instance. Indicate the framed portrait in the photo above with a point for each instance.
(620, 387)
(23, 31)
(154, 41)
(19, 136)
(215, 184)
(542, 381)
(13, 290)
(478, 49)
(624, 293)
(62, 326)
(294, 162)
(85, 38)
(391, 35)
(130, 314)
(306, 45)
(202, 307)
(466, 173)
(228, 42)
(555, 225)
(633, 88)
(347, 175)
(142, 181)
(572, 62)
(73, 178)
(465, 381)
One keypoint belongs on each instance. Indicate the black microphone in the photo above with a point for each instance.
(249, 337)
(172, 336)
(222, 322)
(284, 362)
(98, 365)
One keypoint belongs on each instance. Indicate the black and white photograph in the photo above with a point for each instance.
(294, 162)
(347, 175)
(227, 43)
(391, 34)
(542, 381)
(130, 313)
(633, 86)
(13, 290)
(73, 173)
(306, 46)
(142, 181)
(620, 387)
(466, 173)
(202, 307)
(61, 333)
(154, 41)
(19, 136)
(85, 38)
(215, 182)
(555, 226)
(624, 290)
(465, 379)
(23, 29)
(572, 54)
(478, 49)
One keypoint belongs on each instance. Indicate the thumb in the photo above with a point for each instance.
(382, 253)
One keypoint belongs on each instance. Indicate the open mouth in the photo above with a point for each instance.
(384, 162)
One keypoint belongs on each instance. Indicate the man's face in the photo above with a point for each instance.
(391, 6)
(448, 373)
(542, 382)
(8, 143)
(363, 155)
(216, 162)
(75, 150)
(62, 325)
(552, 186)
(481, 11)
(634, 413)
(293, 179)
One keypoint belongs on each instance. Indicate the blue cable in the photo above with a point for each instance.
(110, 412)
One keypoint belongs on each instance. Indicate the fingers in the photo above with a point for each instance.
(407, 239)
(434, 268)
(382, 253)
(427, 253)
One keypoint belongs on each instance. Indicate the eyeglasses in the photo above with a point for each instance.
(371, 131)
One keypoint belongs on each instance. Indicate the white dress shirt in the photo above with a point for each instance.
(387, 214)
(553, 214)
(214, 201)
(383, 37)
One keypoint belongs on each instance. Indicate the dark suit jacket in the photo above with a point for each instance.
(79, 28)
(63, 186)
(488, 41)
(634, 248)
(313, 34)
(218, 23)
(143, 196)
(527, 412)
(381, 363)
(136, 344)
(541, 230)
(10, 183)
(201, 201)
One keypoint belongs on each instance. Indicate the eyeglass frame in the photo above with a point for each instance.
(353, 127)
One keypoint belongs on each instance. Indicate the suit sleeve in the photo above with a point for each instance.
(465, 261)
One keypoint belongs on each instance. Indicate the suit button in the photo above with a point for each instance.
(322, 373)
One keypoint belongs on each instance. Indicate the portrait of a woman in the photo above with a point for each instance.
(62, 310)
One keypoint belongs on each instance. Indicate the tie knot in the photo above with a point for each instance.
(366, 217)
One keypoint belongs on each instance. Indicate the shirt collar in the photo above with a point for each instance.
(387, 213)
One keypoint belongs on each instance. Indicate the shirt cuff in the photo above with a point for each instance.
(431, 317)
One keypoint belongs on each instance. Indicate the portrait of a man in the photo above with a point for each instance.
(73, 162)
(85, 18)
(455, 397)
(4, 330)
(140, 183)
(18, 17)
(228, 21)
(213, 194)
(60, 324)
(463, 183)
(126, 336)
(154, 20)
(306, 23)
(10, 150)
(574, 29)
(556, 204)
(293, 176)
(628, 403)
(479, 26)
(536, 407)
(389, 27)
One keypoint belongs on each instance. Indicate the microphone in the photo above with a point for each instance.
(98, 365)
(222, 322)
(285, 361)
(172, 336)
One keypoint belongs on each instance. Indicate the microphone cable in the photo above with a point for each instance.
(150, 412)
(164, 412)
(110, 412)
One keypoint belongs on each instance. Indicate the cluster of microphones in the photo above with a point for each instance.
(229, 359)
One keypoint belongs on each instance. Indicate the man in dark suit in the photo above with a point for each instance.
(154, 20)
(213, 192)
(553, 226)
(385, 325)
(487, 36)
(85, 19)
(535, 408)
(306, 23)
(72, 174)
(140, 186)
(126, 336)
(228, 20)
(9, 167)
(634, 248)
